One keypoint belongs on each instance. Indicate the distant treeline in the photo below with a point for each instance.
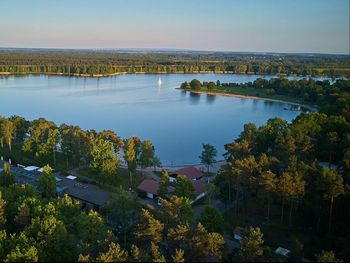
(75, 62)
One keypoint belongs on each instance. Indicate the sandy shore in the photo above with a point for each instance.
(311, 108)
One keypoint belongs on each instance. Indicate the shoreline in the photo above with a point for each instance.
(309, 107)
(130, 73)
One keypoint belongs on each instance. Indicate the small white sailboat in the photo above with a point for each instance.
(159, 81)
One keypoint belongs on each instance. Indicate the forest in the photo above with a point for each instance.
(286, 184)
(108, 62)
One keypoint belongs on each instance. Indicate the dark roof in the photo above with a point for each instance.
(199, 186)
(86, 192)
(151, 186)
(190, 172)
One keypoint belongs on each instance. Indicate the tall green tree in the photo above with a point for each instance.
(114, 254)
(2, 211)
(42, 140)
(103, 158)
(212, 219)
(268, 182)
(8, 131)
(208, 155)
(6, 177)
(130, 156)
(331, 184)
(149, 229)
(163, 184)
(251, 249)
(184, 187)
(121, 212)
(147, 154)
(47, 182)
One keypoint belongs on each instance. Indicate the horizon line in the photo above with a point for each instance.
(179, 50)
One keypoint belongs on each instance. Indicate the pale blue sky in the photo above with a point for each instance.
(320, 26)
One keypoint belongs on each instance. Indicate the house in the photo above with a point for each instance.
(90, 196)
(150, 188)
(191, 172)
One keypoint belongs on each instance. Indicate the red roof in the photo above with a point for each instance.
(190, 172)
(151, 186)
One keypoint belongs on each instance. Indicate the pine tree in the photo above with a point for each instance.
(2, 211)
(150, 229)
(251, 245)
(135, 254)
(114, 254)
(156, 255)
(179, 256)
(6, 177)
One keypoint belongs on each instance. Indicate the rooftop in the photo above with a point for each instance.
(152, 186)
(190, 172)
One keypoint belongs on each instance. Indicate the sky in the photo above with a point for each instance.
(297, 26)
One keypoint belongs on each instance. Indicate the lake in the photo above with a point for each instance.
(177, 122)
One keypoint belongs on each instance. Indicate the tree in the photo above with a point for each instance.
(21, 127)
(6, 177)
(47, 182)
(178, 257)
(176, 211)
(211, 85)
(291, 186)
(163, 184)
(121, 212)
(326, 256)
(51, 238)
(42, 140)
(195, 84)
(23, 254)
(268, 182)
(114, 254)
(208, 155)
(184, 187)
(215, 244)
(103, 158)
(156, 255)
(2, 211)
(212, 219)
(149, 229)
(52, 140)
(331, 185)
(23, 215)
(71, 143)
(251, 245)
(8, 131)
(130, 156)
(147, 154)
(135, 254)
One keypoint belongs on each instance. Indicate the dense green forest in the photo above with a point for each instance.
(104, 62)
(287, 184)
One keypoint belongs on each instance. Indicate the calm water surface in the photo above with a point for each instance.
(177, 122)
